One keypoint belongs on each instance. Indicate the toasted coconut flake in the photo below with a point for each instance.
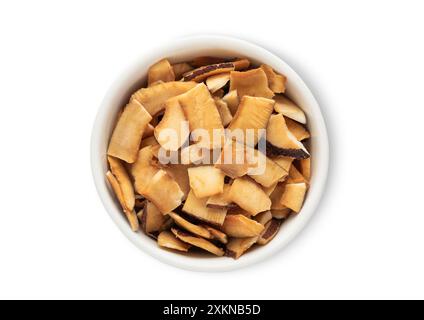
(196, 207)
(232, 100)
(249, 196)
(281, 142)
(152, 219)
(289, 109)
(271, 229)
(161, 71)
(221, 200)
(162, 190)
(297, 130)
(190, 227)
(305, 168)
(266, 172)
(180, 174)
(281, 213)
(236, 247)
(250, 83)
(131, 216)
(276, 82)
(198, 242)
(125, 183)
(154, 98)
(295, 176)
(252, 114)
(239, 226)
(283, 162)
(216, 82)
(224, 112)
(128, 132)
(233, 160)
(180, 69)
(293, 196)
(206, 181)
(264, 217)
(276, 196)
(173, 130)
(270, 189)
(216, 234)
(166, 239)
(200, 110)
(144, 159)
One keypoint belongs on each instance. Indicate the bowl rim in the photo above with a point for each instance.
(189, 262)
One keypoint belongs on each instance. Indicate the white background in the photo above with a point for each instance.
(364, 61)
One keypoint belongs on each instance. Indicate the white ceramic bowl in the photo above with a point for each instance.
(182, 50)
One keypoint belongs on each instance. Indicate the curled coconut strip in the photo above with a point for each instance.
(190, 227)
(236, 247)
(131, 215)
(125, 183)
(198, 242)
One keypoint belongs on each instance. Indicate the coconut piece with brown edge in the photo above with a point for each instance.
(276, 82)
(160, 71)
(248, 195)
(263, 218)
(289, 109)
(173, 130)
(293, 196)
(162, 190)
(281, 142)
(179, 173)
(295, 176)
(266, 172)
(167, 239)
(206, 181)
(203, 72)
(236, 247)
(276, 196)
(298, 130)
(252, 116)
(197, 208)
(190, 227)
(131, 215)
(153, 98)
(271, 229)
(126, 137)
(198, 242)
(202, 114)
(250, 83)
(239, 226)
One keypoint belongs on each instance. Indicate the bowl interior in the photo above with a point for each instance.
(183, 50)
